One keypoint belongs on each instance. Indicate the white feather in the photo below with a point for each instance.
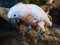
(24, 9)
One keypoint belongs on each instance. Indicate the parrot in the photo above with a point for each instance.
(31, 14)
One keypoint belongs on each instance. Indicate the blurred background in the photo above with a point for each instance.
(8, 33)
(9, 3)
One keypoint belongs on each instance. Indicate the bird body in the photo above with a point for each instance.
(30, 14)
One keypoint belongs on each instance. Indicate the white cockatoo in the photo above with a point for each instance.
(30, 14)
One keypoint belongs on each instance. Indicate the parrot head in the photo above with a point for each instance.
(13, 16)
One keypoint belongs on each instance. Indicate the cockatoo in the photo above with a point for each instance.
(29, 13)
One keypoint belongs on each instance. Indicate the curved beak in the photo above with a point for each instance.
(15, 20)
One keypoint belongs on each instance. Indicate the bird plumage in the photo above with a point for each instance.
(30, 14)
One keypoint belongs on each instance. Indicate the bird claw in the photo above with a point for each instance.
(28, 27)
(41, 33)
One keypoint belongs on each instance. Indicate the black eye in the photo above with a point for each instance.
(14, 15)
